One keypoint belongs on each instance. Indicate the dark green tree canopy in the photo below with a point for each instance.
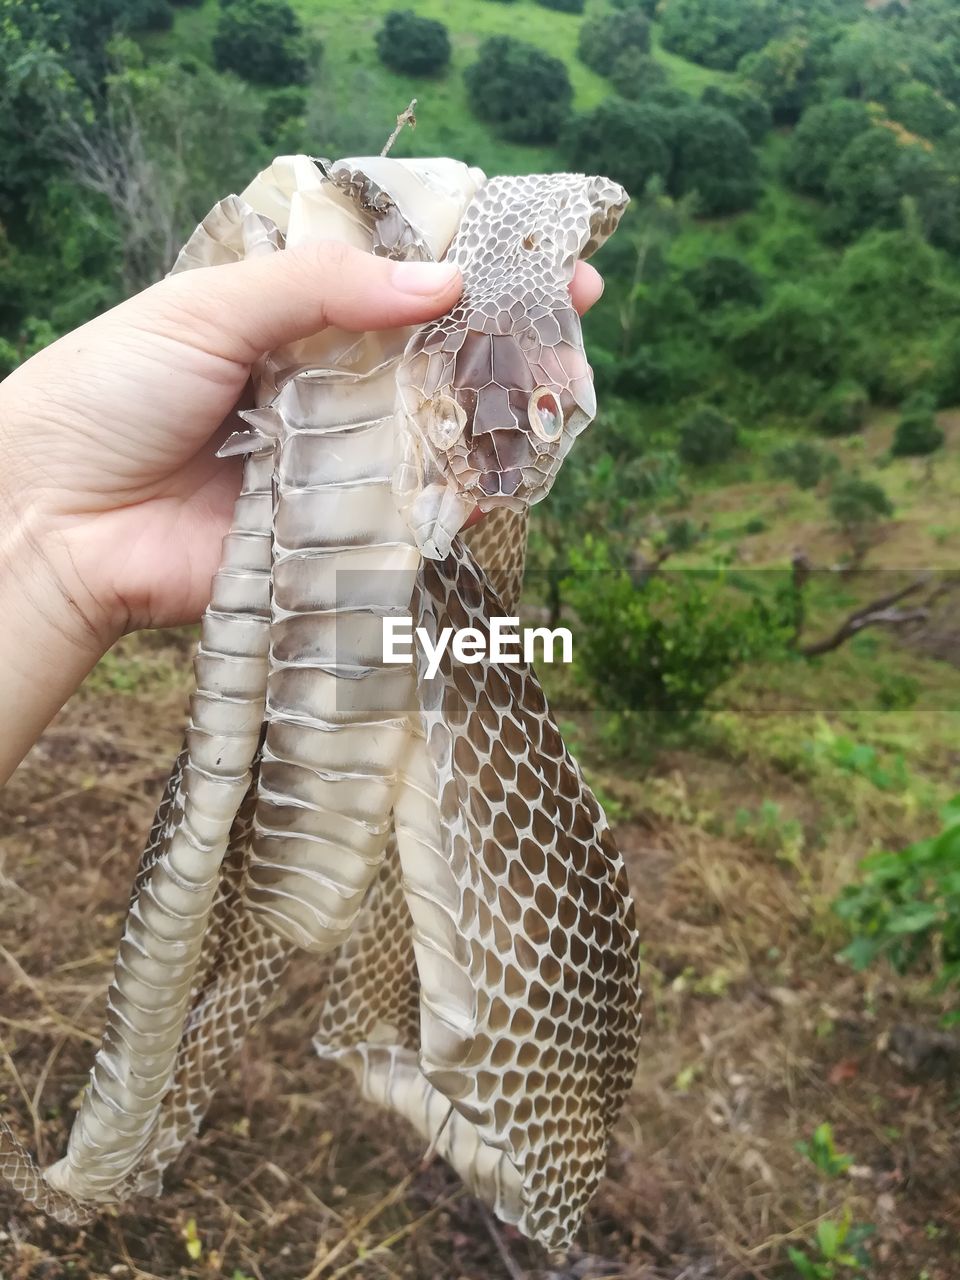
(713, 158)
(627, 141)
(749, 110)
(412, 45)
(605, 38)
(823, 134)
(522, 91)
(718, 33)
(258, 39)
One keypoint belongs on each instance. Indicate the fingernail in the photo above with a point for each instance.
(423, 278)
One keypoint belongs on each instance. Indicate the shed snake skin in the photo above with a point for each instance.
(431, 838)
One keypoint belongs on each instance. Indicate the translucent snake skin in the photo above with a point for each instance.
(430, 836)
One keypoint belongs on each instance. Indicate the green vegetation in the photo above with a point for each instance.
(411, 45)
(777, 359)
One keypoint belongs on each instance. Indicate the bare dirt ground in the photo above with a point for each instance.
(755, 1034)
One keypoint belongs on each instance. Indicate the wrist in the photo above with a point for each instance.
(51, 636)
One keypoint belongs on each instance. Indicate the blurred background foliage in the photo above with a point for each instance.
(754, 542)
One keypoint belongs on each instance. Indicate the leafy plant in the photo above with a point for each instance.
(604, 37)
(844, 411)
(907, 907)
(838, 1250)
(821, 1151)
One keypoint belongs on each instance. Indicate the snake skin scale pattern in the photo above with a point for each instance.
(429, 839)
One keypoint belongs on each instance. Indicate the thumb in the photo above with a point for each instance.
(243, 309)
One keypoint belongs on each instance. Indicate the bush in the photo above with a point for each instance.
(411, 45)
(712, 156)
(258, 40)
(858, 506)
(749, 111)
(907, 908)
(720, 280)
(844, 411)
(654, 654)
(564, 6)
(604, 38)
(636, 76)
(917, 434)
(627, 141)
(649, 7)
(706, 437)
(521, 90)
(802, 462)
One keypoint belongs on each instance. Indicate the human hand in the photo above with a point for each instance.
(108, 437)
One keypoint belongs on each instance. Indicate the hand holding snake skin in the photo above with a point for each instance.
(431, 837)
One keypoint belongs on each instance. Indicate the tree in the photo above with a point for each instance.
(636, 76)
(712, 156)
(923, 110)
(522, 91)
(718, 33)
(844, 411)
(604, 38)
(564, 6)
(824, 133)
(167, 144)
(797, 331)
(412, 45)
(802, 462)
(259, 40)
(858, 506)
(628, 141)
(707, 437)
(721, 280)
(874, 176)
(749, 111)
(918, 434)
(784, 73)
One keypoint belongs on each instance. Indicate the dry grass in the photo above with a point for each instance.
(754, 1035)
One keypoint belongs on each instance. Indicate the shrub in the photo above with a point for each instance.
(521, 90)
(411, 45)
(907, 907)
(628, 141)
(564, 6)
(649, 7)
(706, 437)
(802, 462)
(712, 156)
(258, 40)
(605, 37)
(917, 434)
(844, 411)
(655, 653)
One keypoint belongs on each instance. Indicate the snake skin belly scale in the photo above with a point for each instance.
(431, 836)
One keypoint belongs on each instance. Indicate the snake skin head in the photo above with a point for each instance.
(493, 394)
